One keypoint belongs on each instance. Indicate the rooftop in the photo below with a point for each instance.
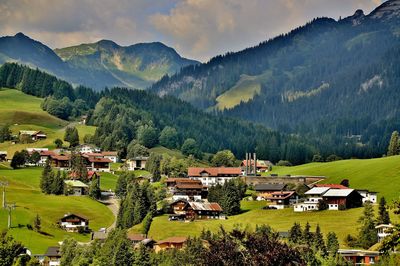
(175, 239)
(75, 183)
(337, 186)
(205, 206)
(317, 191)
(53, 252)
(214, 171)
(338, 192)
(269, 187)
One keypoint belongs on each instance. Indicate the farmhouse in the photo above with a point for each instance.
(342, 198)
(73, 223)
(370, 196)
(76, 188)
(45, 156)
(34, 135)
(191, 210)
(53, 256)
(3, 156)
(136, 163)
(186, 188)
(384, 230)
(282, 199)
(111, 155)
(98, 164)
(87, 148)
(176, 242)
(89, 177)
(261, 165)
(359, 257)
(214, 175)
(314, 195)
(60, 161)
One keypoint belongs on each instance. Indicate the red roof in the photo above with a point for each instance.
(109, 153)
(336, 186)
(99, 160)
(214, 171)
(92, 155)
(47, 153)
(89, 174)
(189, 186)
(60, 157)
(136, 237)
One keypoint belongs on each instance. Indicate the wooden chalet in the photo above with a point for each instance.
(111, 155)
(34, 135)
(99, 164)
(60, 161)
(175, 242)
(72, 223)
(342, 198)
(211, 176)
(76, 187)
(186, 188)
(282, 199)
(192, 210)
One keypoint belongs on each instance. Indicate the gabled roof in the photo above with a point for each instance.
(338, 192)
(181, 180)
(69, 215)
(174, 240)
(47, 153)
(99, 160)
(317, 191)
(384, 226)
(205, 206)
(60, 157)
(110, 153)
(336, 186)
(136, 237)
(189, 186)
(214, 171)
(281, 195)
(75, 183)
(269, 187)
(53, 252)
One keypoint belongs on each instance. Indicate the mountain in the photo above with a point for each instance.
(136, 66)
(96, 65)
(328, 77)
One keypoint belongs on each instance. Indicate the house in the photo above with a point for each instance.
(76, 188)
(45, 156)
(52, 256)
(314, 196)
(3, 156)
(261, 165)
(383, 230)
(34, 135)
(111, 155)
(136, 238)
(98, 164)
(99, 235)
(137, 163)
(191, 210)
(89, 177)
(73, 223)
(282, 199)
(360, 257)
(87, 148)
(214, 175)
(367, 195)
(186, 188)
(342, 198)
(60, 161)
(176, 242)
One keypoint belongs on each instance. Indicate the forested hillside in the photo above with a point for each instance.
(326, 80)
(122, 115)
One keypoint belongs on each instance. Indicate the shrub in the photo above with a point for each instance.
(342, 207)
(284, 163)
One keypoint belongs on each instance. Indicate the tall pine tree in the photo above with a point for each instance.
(383, 214)
(393, 148)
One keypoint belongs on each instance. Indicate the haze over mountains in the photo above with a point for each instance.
(99, 64)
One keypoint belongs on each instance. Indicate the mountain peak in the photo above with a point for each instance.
(357, 17)
(107, 43)
(389, 9)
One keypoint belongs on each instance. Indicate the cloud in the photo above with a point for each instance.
(198, 29)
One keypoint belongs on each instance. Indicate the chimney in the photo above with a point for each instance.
(255, 164)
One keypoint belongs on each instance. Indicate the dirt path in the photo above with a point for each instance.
(113, 204)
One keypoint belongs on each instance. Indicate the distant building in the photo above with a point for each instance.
(214, 175)
(261, 166)
(348, 198)
(111, 155)
(52, 257)
(72, 222)
(282, 199)
(360, 257)
(60, 161)
(313, 195)
(384, 230)
(99, 164)
(33, 134)
(367, 195)
(193, 210)
(87, 148)
(186, 188)
(137, 163)
(170, 243)
(78, 188)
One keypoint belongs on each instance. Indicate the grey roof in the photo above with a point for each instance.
(317, 191)
(269, 187)
(338, 192)
(53, 252)
(99, 235)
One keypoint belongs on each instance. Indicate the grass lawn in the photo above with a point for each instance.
(173, 153)
(108, 181)
(24, 190)
(381, 174)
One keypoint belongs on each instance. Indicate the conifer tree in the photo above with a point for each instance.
(318, 241)
(123, 254)
(332, 243)
(147, 223)
(46, 179)
(383, 214)
(307, 235)
(295, 234)
(37, 223)
(393, 148)
(94, 189)
(367, 233)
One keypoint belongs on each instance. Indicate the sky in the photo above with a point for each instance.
(197, 29)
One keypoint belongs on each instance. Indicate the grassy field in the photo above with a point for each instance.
(31, 118)
(24, 190)
(162, 150)
(381, 175)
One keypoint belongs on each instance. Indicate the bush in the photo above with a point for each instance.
(342, 207)
(322, 205)
(29, 226)
(284, 163)
(333, 157)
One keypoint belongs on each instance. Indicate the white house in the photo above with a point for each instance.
(211, 176)
(314, 195)
(137, 163)
(111, 155)
(53, 256)
(88, 148)
(72, 222)
(383, 231)
(370, 196)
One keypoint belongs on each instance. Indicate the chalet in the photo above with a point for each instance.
(261, 165)
(136, 238)
(98, 164)
(186, 188)
(111, 155)
(342, 198)
(45, 156)
(3, 156)
(53, 257)
(314, 196)
(384, 230)
(170, 243)
(191, 210)
(90, 175)
(214, 175)
(72, 223)
(367, 195)
(360, 257)
(282, 199)
(99, 235)
(137, 163)
(87, 148)
(34, 135)
(60, 161)
(76, 188)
